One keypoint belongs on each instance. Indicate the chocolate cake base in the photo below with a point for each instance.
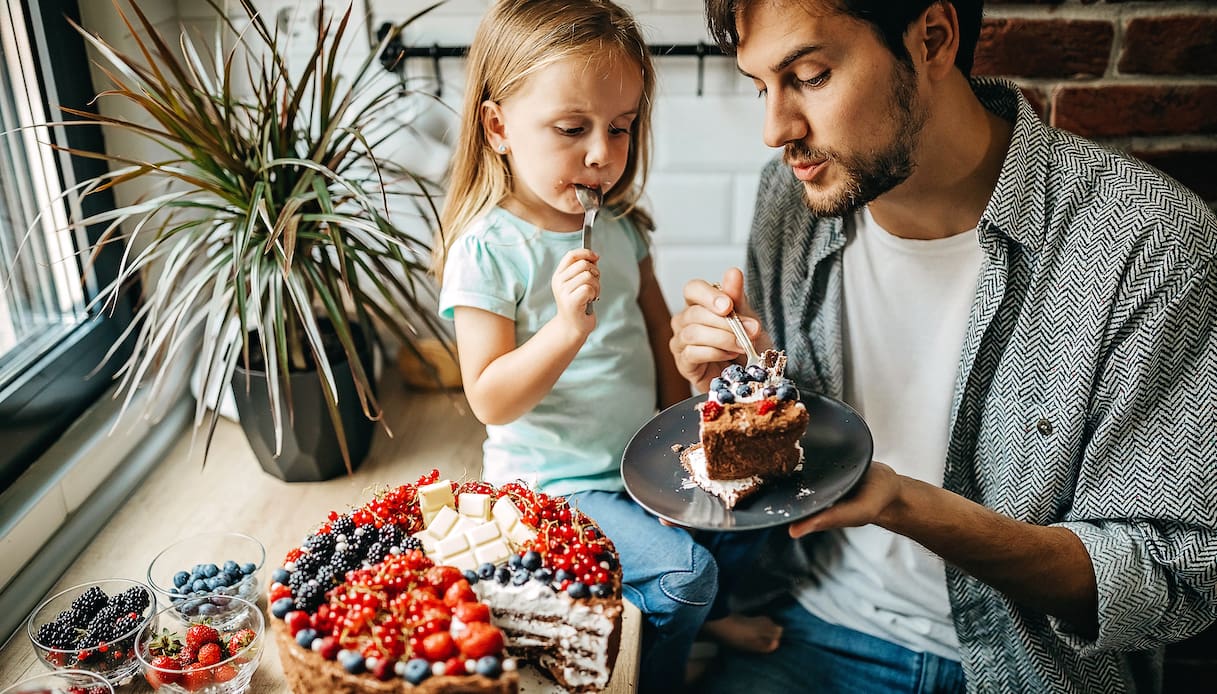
(740, 442)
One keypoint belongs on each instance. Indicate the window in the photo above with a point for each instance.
(43, 297)
(51, 347)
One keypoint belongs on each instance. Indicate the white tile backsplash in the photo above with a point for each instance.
(709, 134)
(745, 188)
(675, 265)
(694, 208)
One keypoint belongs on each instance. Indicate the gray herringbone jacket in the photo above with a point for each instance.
(1086, 395)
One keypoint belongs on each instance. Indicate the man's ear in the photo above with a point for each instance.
(935, 36)
(493, 123)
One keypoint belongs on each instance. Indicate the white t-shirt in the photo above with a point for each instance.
(906, 308)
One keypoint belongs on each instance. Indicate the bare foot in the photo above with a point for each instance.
(758, 634)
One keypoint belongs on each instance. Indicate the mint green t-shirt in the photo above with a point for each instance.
(573, 439)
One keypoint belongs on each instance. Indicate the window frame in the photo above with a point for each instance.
(62, 382)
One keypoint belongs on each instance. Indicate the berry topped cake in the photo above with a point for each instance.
(444, 587)
(749, 431)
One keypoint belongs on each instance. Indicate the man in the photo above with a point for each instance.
(1027, 322)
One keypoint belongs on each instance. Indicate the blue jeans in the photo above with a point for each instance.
(817, 656)
(672, 577)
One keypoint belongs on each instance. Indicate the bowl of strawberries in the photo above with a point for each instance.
(190, 654)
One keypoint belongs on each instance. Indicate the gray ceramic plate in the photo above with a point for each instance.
(837, 450)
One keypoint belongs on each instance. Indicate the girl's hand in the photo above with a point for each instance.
(576, 282)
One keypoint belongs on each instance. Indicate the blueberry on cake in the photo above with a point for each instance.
(750, 427)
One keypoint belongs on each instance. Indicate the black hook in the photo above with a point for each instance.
(701, 66)
(439, 78)
(393, 56)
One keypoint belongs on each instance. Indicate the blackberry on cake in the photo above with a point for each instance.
(473, 580)
(749, 430)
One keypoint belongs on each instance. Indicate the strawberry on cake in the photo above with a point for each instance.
(749, 431)
(440, 587)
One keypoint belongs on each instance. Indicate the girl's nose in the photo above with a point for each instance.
(598, 152)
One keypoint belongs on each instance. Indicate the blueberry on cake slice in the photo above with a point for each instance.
(750, 427)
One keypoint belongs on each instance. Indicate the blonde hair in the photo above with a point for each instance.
(515, 39)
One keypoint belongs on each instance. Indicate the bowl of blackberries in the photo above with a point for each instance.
(183, 653)
(195, 574)
(92, 627)
(61, 682)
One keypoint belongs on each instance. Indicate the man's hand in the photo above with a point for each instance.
(1046, 568)
(701, 341)
(874, 495)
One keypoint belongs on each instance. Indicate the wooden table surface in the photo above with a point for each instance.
(231, 493)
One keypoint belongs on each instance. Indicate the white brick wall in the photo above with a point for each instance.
(708, 150)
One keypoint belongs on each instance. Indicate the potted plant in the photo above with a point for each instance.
(273, 252)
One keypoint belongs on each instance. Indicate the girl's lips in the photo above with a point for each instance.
(806, 171)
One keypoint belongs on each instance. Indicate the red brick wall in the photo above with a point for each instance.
(1140, 76)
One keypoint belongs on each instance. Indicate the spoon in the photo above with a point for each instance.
(589, 198)
(741, 336)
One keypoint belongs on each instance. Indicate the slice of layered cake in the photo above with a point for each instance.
(751, 423)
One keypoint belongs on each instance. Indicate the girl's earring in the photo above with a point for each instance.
(502, 149)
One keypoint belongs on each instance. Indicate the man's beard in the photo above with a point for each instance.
(869, 175)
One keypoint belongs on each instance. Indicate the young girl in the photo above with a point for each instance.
(559, 94)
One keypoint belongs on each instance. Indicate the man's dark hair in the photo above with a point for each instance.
(889, 18)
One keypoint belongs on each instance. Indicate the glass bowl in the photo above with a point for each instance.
(92, 627)
(61, 682)
(193, 573)
(232, 664)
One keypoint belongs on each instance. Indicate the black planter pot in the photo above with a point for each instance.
(311, 451)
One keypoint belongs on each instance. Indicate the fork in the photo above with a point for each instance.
(741, 336)
(589, 198)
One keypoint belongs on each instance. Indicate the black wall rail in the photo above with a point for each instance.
(395, 54)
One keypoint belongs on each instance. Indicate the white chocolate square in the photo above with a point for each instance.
(462, 525)
(453, 544)
(520, 533)
(495, 551)
(433, 496)
(464, 561)
(442, 523)
(474, 505)
(483, 533)
(428, 541)
(505, 513)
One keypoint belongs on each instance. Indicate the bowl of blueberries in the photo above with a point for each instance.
(92, 627)
(196, 574)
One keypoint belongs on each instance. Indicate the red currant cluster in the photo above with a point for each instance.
(403, 607)
(369, 613)
(399, 505)
(476, 487)
(568, 541)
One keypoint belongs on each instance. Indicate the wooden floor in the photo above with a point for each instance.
(231, 493)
